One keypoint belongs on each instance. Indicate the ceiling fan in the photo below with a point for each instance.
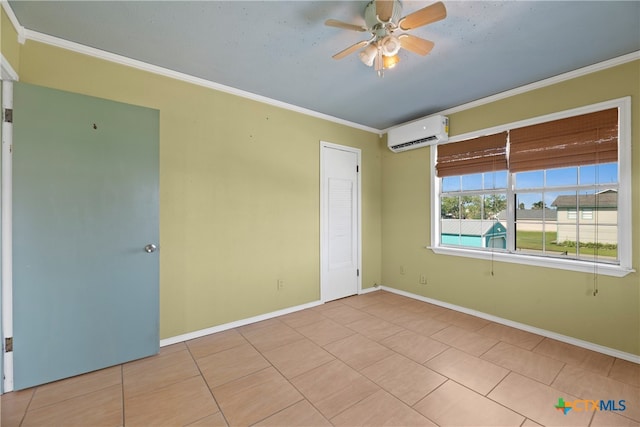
(383, 19)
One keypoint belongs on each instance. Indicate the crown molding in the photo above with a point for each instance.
(634, 56)
(165, 72)
(6, 70)
(548, 82)
(14, 20)
(26, 34)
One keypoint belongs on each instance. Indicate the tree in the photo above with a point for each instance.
(471, 207)
(538, 205)
(450, 207)
(494, 204)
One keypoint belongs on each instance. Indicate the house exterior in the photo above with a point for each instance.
(533, 219)
(473, 232)
(596, 216)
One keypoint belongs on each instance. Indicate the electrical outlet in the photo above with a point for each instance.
(423, 279)
(280, 284)
(402, 269)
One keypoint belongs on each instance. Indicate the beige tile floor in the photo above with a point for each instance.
(374, 359)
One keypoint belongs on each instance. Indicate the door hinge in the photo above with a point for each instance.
(8, 344)
(8, 115)
(357, 168)
(358, 272)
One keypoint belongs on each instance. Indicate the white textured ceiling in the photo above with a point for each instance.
(282, 49)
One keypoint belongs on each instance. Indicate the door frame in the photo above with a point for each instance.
(324, 145)
(8, 76)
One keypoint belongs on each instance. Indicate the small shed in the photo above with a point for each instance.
(475, 233)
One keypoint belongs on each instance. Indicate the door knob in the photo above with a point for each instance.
(150, 248)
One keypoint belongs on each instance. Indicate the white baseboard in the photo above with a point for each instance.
(219, 328)
(369, 290)
(543, 332)
(243, 322)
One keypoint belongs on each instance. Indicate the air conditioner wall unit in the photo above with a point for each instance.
(419, 133)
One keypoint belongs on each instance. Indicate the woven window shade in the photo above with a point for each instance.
(580, 140)
(483, 154)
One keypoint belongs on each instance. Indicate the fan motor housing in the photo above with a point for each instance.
(371, 16)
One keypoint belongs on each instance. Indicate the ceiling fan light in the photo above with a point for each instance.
(390, 45)
(390, 61)
(368, 55)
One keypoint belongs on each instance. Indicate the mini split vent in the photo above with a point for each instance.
(419, 133)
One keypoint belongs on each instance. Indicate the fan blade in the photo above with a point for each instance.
(350, 49)
(384, 9)
(343, 25)
(424, 16)
(415, 44)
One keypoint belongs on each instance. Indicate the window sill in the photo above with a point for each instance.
(538, 261)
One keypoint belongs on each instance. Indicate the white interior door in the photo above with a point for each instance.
(340, 221)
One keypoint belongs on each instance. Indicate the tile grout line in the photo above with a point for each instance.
(558, 374)
(364, 375)
(336, 358)
(498, 383)
(26, 409)
(498, 341)
(270, 365)
(304, 398)
(492, 400)
(286, 378)
(564, 365)
(611, 367)
(208, 387)
(380, 387)
(538, 345)
(283, 376)
(574, 364)
(279, 411)
(512, 409)
(429, 394)
(66, 399)
(122, 393)
(593, 415)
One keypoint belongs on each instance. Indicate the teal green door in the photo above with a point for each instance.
(85, 206)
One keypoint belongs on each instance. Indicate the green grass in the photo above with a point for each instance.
(532, 240)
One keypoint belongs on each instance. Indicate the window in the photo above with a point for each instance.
(587, 213)
(552, 191)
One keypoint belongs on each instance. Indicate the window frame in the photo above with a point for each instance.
(624, 198)
(586, 214)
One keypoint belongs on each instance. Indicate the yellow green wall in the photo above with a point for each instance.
(239, 190)
(9, 41)
(239, 204)
(555, 300)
